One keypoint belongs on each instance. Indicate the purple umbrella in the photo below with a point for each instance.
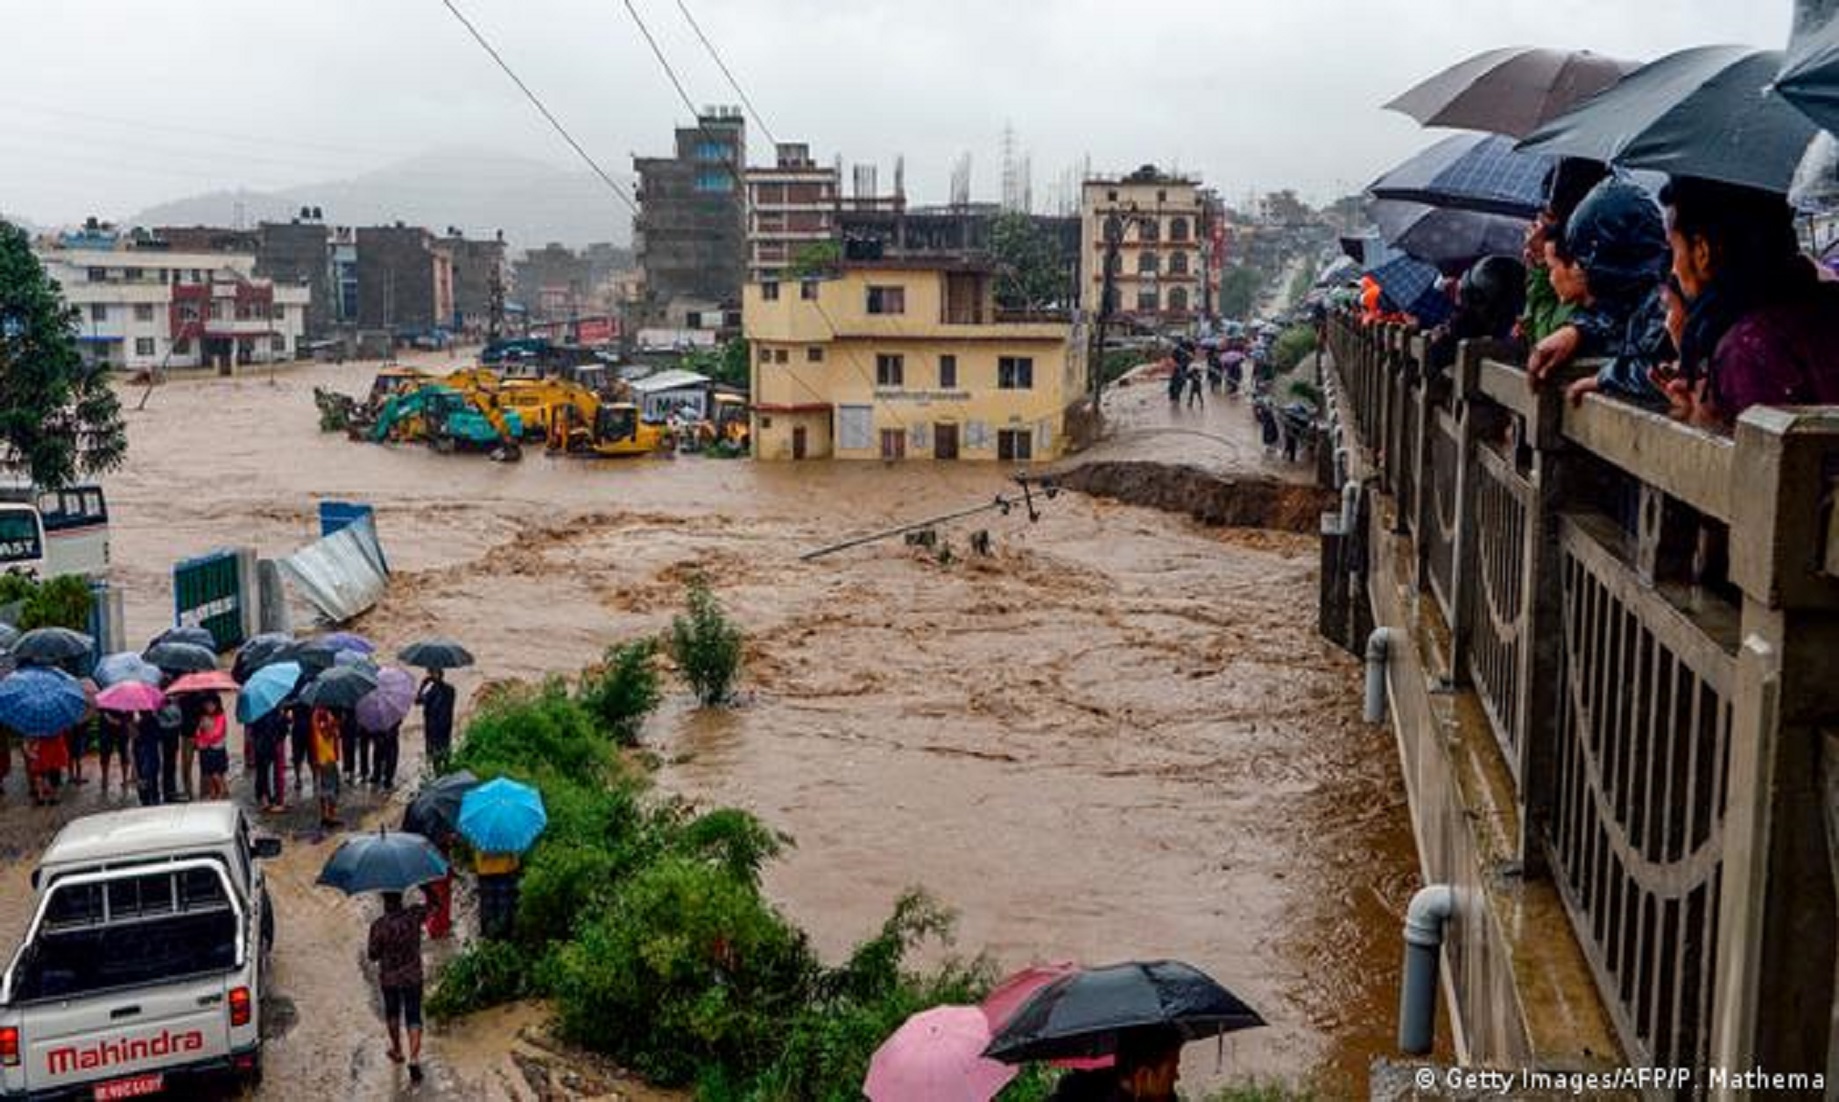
(347, 640)
(386, 705)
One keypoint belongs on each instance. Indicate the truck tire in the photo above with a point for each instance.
(268, 922)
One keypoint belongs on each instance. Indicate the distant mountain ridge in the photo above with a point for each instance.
(532, 201)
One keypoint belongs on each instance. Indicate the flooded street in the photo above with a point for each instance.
(1117, 736)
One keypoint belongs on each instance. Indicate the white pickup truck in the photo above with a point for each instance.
(146, 960)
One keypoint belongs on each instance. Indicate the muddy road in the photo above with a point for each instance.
(1115, 737)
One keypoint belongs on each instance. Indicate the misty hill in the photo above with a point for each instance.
(532, 201)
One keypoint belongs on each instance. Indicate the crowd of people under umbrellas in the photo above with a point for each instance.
(1236, 360)
(155, 722)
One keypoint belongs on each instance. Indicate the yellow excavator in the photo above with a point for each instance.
(586, 424)
(540, 401)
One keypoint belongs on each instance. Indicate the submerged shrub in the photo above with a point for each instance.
(530, 731)
(706, 646)
(626, 691)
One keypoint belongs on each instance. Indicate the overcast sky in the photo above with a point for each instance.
(108, 106)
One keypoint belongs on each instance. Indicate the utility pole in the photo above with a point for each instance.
(1107, 297)
(494, 324)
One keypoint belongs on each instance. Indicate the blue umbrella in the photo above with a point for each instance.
(265, 690)
(502, 816)
(39, 701)
(1411, 284)
(1439, 235)
(1706, 111)
(382, 862)
(126, 666)
(1478, 172)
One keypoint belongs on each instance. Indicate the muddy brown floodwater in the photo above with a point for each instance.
(1116, 737)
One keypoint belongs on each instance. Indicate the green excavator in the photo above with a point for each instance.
(451, 420)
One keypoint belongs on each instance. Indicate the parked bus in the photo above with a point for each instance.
(50, 533)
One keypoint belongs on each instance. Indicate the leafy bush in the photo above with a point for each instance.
(706, 646)
(62, 602)
(735, 841)
(531, 731)
(626, 691)
(486, 974)
(1293, 345)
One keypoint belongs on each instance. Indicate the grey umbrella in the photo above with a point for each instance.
(1510, 91)
(1478, 172)
(436, 654)
(51, 646)
(8, 636)
(1810, 76)
(382, 862)
(1706, 112)
(1441, 236)
(185, 633)
(181, 657)
(1081, 1015)
(339, 687)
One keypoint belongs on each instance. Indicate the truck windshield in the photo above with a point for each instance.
(133, 930)
(19, 535)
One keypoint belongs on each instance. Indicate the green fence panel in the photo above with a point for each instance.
(206, 594)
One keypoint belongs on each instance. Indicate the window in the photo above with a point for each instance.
(1178, 300)
(1015, 373)
(98, 312)
(769, 291)
(279, 311)
(1014, 445)
(890, 370)
(98, 275)
(143, 346)
(143, 311)
(766, 355)
(1149, 230)
(712, 180)
(1178, 263)
(182, 346)
(1147, 302)
(279, 344)
(855, 428)
(814, 354)
(948, 372)
(1162, 196)
(1147, 262)
(711, 151)
(1178, 229)
(1111, 195)
(781, 355)
(893, 443)
(188, 311)
(216, 310)
(887, 300)
(808, 290)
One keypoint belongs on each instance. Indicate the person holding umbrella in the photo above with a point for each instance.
(1147, 1068)
(502, 819)
(436, 698)
(149, 754)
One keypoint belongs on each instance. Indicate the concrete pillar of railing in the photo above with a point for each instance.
(1541, 655)
(1404, 445)
(1777, 932)
(1464, 564)
(1385, 369)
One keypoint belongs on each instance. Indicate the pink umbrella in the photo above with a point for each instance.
(387, 704)
(1008, 996)
(130, 696)
(937, 1056)
(209, 681)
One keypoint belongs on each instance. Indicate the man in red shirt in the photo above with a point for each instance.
(395, 946)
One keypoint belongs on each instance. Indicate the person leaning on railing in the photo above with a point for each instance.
(1761, 327)
(1609, 263)
(1566, 185)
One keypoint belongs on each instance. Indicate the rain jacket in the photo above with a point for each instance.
(1785, 353)
(1618, 237)
(1644, 345)
(1545, 314)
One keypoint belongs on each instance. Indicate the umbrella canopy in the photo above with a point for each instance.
(437, 806)
(936, 1056)
(382, 862)
(265, 690)
(1013, 992)
(210, 681)
(1440, 236)
(51, 646)
(131, 696)
(1411, 284)
(339, 687)
(182, 657)
(386, 705)
(126, 666)
(1810, 75)
(502, 816)
(313, 655)
(8, 636)
(348, 640)
(1704, 112)
(1479, 172)
(436, 654)
(40, 701)
(260, 650)
(1511, 90)
(1082, 1014)
(186, 633)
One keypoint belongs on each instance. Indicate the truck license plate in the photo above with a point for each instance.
(139, 1086)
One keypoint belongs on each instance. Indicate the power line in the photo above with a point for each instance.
(668, 71)
(720, 64)
(540, 106)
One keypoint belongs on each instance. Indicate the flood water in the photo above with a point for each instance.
(1116, 737)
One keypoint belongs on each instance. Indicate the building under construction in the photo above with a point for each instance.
(691, 229)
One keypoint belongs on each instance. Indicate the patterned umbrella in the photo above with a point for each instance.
(51, 646)
(1411, 284)
(1478, 172)
(39, 702)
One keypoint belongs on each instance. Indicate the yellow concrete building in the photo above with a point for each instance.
(907, 359)
(1159, 271)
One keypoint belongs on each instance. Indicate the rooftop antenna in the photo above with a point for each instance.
(961, 181)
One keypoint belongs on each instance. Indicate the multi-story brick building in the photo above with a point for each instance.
(1158, 272)
(691, 230)
(405, 281)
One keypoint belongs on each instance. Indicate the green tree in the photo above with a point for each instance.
(1239, 290)
(819, 258)
(727, 364)
(58, 416)
(1029, 273)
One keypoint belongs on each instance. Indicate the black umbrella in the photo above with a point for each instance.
(1512, 90)
(313, 655)
(260, 650)
(1810, 76)
(437, 806)
(1081, 1015)
(382, 862)
(51, 647)
(181, 657)
(1706, 112)
(339, 687)
(186, 633)
(1441, 236)
(1478, 172)
(436, 654)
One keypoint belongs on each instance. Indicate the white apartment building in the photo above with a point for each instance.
(150, 308)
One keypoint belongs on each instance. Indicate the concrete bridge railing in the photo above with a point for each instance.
(1644, 615)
